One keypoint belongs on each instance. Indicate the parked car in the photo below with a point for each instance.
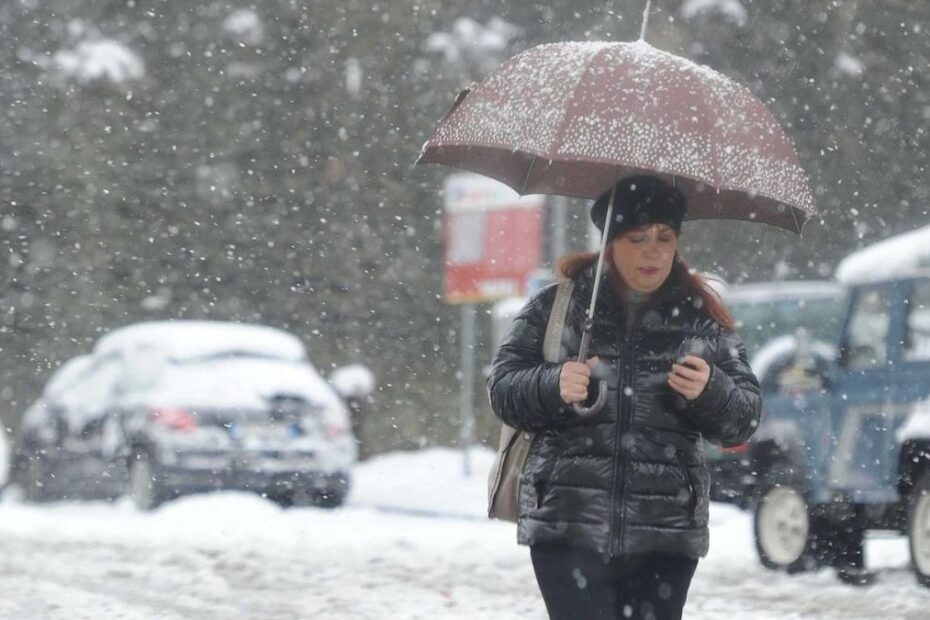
(854, 449)
(785, 326)
(167, 408)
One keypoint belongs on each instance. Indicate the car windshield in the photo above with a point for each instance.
(760, 322)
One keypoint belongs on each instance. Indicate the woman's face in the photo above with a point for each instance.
(644, 256)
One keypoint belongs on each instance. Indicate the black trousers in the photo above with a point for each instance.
(578, 584)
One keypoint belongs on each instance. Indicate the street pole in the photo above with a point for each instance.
(467, 365)
(559, 227)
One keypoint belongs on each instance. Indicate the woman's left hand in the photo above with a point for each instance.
(689, 378)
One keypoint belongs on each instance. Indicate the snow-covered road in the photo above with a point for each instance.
(234, 556)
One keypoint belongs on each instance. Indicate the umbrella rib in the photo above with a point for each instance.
(795, 216)
(529, 173)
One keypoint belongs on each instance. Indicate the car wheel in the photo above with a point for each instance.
(30, 479)
(918, 528)
(143, 486)
(331, 497)
(788, 537)
(283, 498)
(302, 498)
(335, 495)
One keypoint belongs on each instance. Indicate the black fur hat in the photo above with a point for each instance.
(641, 200)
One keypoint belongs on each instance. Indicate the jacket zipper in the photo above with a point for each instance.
(617, 510)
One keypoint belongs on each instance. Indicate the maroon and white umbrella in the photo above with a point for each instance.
(572, 118)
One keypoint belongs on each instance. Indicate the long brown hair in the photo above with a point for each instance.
(571, 265)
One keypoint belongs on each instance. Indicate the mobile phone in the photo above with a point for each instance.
(690, 345)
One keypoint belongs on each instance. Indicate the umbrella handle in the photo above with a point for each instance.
(598, 404)
(601, 384)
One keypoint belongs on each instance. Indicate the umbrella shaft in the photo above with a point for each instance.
(585, 343)
(600, 257)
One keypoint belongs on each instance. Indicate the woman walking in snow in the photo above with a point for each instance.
(614, 505)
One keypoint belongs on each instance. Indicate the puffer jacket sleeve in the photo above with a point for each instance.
(523, 387)
(728, 411)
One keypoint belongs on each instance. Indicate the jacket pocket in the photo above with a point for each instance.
(692, 494)
(544, 455)
(699, 487)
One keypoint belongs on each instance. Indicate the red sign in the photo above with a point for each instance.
(493, 239)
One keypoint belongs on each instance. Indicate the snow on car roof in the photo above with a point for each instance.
(762, 292)
(181, 340)
(246, 383)
(898, 256)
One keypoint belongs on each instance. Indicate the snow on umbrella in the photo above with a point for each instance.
(573, 118)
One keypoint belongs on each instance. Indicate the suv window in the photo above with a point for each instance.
(760, 322)
(917, 335)
(865, 345)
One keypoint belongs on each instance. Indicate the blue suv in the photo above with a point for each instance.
(853, 448)
(780, 323)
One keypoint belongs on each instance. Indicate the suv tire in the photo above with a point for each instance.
(784, 529)
(918, 528)
(790, 535)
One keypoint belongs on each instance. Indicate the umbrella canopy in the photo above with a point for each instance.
(572, 118)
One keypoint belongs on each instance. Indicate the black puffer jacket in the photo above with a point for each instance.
(632, 478)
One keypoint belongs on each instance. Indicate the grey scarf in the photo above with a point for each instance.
(634, 304)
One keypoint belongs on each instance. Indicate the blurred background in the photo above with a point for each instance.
(253, 162)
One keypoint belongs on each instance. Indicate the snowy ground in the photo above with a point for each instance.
(234, 556)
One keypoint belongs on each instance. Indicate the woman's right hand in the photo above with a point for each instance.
(574, 379)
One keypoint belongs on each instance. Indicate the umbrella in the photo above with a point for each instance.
(573, 118)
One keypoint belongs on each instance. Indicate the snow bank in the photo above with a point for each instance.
(425, 481)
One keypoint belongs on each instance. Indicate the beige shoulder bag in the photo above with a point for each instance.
(507, 470)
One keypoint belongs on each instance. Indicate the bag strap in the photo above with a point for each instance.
(552, 344)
